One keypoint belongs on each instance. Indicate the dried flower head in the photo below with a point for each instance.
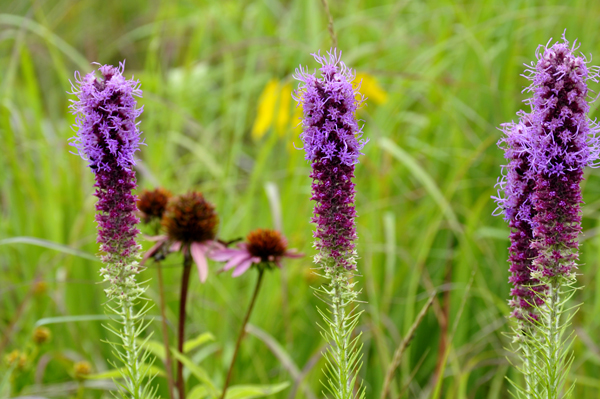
(266, 244)
(152, 204)
(262, 246)
(190, 218)
(41, 335)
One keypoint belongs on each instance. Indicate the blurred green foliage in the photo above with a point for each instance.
(451, 70)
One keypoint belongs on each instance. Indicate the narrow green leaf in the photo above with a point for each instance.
(254, 391)
(201, 339)
(49, 245)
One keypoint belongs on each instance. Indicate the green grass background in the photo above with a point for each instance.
(452, 72)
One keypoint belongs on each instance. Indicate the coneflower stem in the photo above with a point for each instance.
(243, 330)
(185, 282)
(165, 331)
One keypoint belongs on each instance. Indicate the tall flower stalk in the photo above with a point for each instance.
(264, 249)
(547, 151)
(332, 143)
(107, 138)
(191, 226)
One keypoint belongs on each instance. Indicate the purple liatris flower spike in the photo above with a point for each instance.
(332, 142)
(563, 143)
(547, 151)
(107, 138)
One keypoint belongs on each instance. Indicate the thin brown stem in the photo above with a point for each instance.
(403, 345)
(185, 282)
(242, 331)
(165, 331)
(330, 24)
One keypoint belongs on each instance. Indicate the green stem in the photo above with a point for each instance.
(338, 309)
(243, 330)
(553, 349)
(131, 348)
(528, 366)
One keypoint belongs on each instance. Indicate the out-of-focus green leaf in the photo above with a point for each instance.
(254, 391)
(117, 373)
(196, 370)
(201, 339)
(50, 245)
(198, 392)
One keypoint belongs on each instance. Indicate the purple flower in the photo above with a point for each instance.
(332, 142)
(519, 184)
(547, 151)
(262, 246)
(563, 142)
(107, 138)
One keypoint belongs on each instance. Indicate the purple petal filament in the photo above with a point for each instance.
(547, 152)
(107, 138)
(332, 143)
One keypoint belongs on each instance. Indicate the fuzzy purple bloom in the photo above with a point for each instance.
(519, 184)
(107, 138)
(332, 142)
(547, 151)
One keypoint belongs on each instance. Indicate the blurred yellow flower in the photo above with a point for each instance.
(266, 109)
(275, 104)
(17, 358)
(41, 335)
(370, 88)
(82, 369)
(274, 110)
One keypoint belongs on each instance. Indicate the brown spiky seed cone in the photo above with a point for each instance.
(152, 204)
(266, 244)
(190, 218)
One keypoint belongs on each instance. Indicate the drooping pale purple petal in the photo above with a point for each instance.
(224, 255)
(236, 260)
(198, 251)
(242, 267)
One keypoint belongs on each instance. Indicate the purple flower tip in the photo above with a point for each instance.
(107, 133)
(329, 104)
